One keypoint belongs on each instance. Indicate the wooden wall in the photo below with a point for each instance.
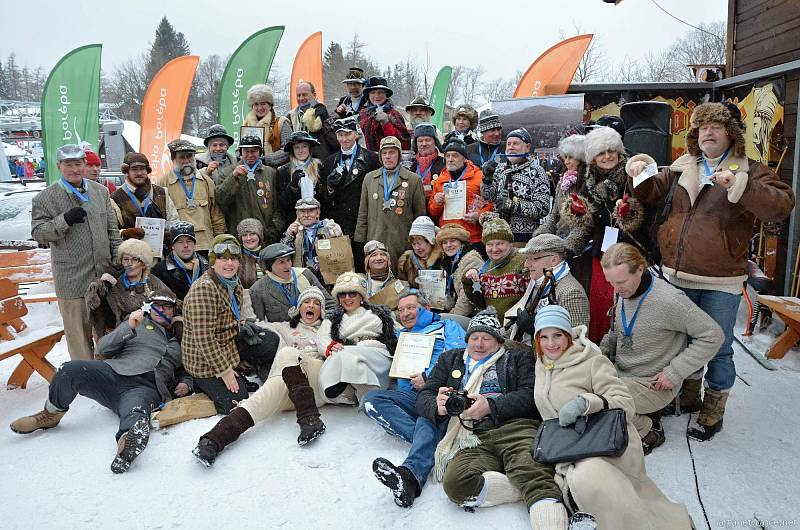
(765, 33)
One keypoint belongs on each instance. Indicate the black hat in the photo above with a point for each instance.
(355, 75)
(615, 122)
(297, 137)
(182, 228)
(425, 129)
(520, 133)
(346, 124)
(458, 146)
(378, 82)
(275, 251)
(251, 141)
(217, 131)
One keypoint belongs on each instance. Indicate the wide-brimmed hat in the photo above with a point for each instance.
(217, 131)
(420, 101)
(354, 75)
(298, 137)
(376, 82)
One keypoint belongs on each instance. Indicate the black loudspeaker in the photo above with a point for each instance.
(648, 129)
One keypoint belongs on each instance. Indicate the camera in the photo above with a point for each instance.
(457, 402)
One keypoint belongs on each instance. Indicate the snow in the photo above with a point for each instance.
(61, 479)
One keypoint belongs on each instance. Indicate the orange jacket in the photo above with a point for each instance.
(473, 177)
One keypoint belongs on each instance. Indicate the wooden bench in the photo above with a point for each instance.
(27, 268)
(788, 309)
(17, 339)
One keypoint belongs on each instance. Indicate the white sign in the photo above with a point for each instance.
(610, 236)
(153, 233)
(455, 200)
(412, 354)
(649, 170)
(433, 284)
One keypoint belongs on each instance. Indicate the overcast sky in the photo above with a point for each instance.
(502, 36)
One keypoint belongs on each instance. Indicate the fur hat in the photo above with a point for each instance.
(134, 158)
(260, 93)
(487, 322)
(350, 282)
(250, 226)
(714, 113)
(552, 316)
(423, 226)
(457, 145)
(468, 112)
(573, 146)
(309, 292)
(496, 228)
(138, 249)
(452, 231)
(600, 140)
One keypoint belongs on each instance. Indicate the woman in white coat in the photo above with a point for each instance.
(571, 375)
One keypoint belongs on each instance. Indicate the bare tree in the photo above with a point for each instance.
(128, 85)
(454, 90)
(472, 83)
(706, 45)
(498, 88)
(593, 63)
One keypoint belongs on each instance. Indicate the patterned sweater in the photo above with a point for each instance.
(502, 283)
(521, 195)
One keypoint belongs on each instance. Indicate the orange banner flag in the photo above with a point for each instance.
(308, 66)
(163, 109)
(552, 73)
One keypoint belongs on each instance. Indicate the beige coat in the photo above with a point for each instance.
(470, 260)
(206, 216)
(617, 491)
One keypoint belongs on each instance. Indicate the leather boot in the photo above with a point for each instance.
(224, 433)
(131, 444)
(709, 421)
(689, 398)
(43, 419)
(656, 436)
(302, 396)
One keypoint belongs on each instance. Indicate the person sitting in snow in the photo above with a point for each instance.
(139, 370)
(395, 410)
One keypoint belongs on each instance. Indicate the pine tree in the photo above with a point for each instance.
(334, 70)
(3, 82)
(167, 45)
(12, 77)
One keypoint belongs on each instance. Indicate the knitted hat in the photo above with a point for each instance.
(468, 112)
(552, 316)
(521, 133)
(452, 231)
(371, 247)
(134, 158)
(573, 146)
(350, 282)
(487, 322)
(544, 243)
(496, 228)
(423, 226)
(250, 226)
(92, 159)
(138, 249)
(259, 94)
(457, 145)
(600, 140)
(425, 129)
(420, 102)
(488, 120)
(222, 238)
(309, 292)
(217, 131)
(390, 141)
(714, 113)
(70, 152)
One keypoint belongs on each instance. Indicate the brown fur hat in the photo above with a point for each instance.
(468, 112)
(719, 113)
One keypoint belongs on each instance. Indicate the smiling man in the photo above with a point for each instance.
(718, 193)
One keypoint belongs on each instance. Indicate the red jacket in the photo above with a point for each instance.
(375, 131)
(473, 177)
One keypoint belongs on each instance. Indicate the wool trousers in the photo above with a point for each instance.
(77, 329)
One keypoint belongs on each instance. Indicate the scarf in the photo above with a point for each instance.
(386, 106)
(229, 283)
(457, 436)
(425, 161)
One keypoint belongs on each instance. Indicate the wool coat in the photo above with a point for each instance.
(242, 198)
(270, 303)
(340, 193)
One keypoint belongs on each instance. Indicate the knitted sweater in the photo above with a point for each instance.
(666, 319)
(502, 286)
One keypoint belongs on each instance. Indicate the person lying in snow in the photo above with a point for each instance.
(142, 368)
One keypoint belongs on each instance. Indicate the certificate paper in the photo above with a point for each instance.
(153, 233)
(412, 355)
(433, 284)
(455, 200)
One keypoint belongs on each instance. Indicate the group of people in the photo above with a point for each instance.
(544, 301)
(25, 168)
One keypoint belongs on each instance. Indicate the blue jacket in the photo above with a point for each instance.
(449, 336)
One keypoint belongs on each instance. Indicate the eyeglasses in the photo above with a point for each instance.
(231, 248)
(348, 295)
(129, 260)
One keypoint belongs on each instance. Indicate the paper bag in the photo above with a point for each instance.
(335, 257)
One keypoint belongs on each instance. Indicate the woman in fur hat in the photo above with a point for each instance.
(110, 300)
(458, 257)
(465, 122)
(262, 114)
(423, 255)
(251, 235)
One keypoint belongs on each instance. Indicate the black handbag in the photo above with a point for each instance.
(604, 433)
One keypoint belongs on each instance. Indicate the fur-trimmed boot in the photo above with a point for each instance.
(224, 433)
(302, 396)
(689, 398)
(709, 421)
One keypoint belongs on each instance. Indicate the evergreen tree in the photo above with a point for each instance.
(3, 82)
(12, 77)
(167, 45)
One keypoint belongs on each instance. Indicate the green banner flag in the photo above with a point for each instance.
(70, 104)
(249, 65)
(439, 94)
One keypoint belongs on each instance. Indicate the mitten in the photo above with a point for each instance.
(488, 169)
(570, 412)
(577, 205)
(322, 112)
(381, 116)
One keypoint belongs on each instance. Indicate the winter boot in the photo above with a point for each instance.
(302, 396)
(131, 444)
(225, 432)
(499, 490)
(399, 479)
(709, 421)
(549, 515)
(582, 521)
(656, 436)
(41, 420)
(689, 398)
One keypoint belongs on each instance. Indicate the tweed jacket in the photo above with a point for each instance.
(81, 252)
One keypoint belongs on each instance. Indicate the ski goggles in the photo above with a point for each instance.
(232, 249)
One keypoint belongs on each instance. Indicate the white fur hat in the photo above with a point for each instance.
(602, 139)
(573, 146)
(261, 92)
(138, 249)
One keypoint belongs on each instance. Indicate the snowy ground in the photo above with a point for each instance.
(60, 478)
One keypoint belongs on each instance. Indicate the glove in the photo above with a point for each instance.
(249, 331)
(334, 179)
(524, 321)
(75, 215)
(132, 233)
(577, 206)
(488, 169)
(502, 202)
(381, 116)
(321, 112)
(296, 176)
(570, 412)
